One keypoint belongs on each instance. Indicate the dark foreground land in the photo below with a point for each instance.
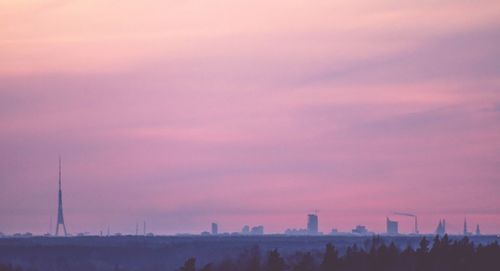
(252, 253)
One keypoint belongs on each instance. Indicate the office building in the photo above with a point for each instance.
(312, 224)
(257, 230)
(392, 227)
(215, 229)
(360, 229)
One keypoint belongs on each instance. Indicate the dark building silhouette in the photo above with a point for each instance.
(257, 230)
(296, 232)
(441, 228)
(360, 229)
(466, 231)
(215, 229)
(312, 224)
(392, 227)
(245, 229)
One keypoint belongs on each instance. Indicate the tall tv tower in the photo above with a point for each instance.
(60, 217)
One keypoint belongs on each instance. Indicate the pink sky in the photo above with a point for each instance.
(182, 113)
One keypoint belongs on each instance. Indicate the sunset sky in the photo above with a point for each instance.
(186, 112)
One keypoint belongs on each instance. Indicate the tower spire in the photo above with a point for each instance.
(60, 217)
(59, 173)
(466, 232)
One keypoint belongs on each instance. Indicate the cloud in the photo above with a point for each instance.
(251, 120)
(459, 57)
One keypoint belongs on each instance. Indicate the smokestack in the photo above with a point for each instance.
(409, 215)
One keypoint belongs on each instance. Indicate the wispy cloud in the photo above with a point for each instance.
(188, 111)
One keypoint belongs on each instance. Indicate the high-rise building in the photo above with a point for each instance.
(215, 229)
(245, 229)
(257, 230)
(392, 227)
(312, 224)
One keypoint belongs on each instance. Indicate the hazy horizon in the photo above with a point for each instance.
(183, 113)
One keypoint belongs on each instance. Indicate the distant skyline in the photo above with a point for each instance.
(182, 113)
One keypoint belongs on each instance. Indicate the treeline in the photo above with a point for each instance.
(375, 254)
(442, 255)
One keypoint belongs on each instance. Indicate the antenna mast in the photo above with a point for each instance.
(60, 217)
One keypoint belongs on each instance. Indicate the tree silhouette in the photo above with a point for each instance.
(189, 265)
(208, 267)
(330, 259)
(306, 263)
(422, 256)
(249, 260)
(442, 254)
(423, 248)
(274, 261)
